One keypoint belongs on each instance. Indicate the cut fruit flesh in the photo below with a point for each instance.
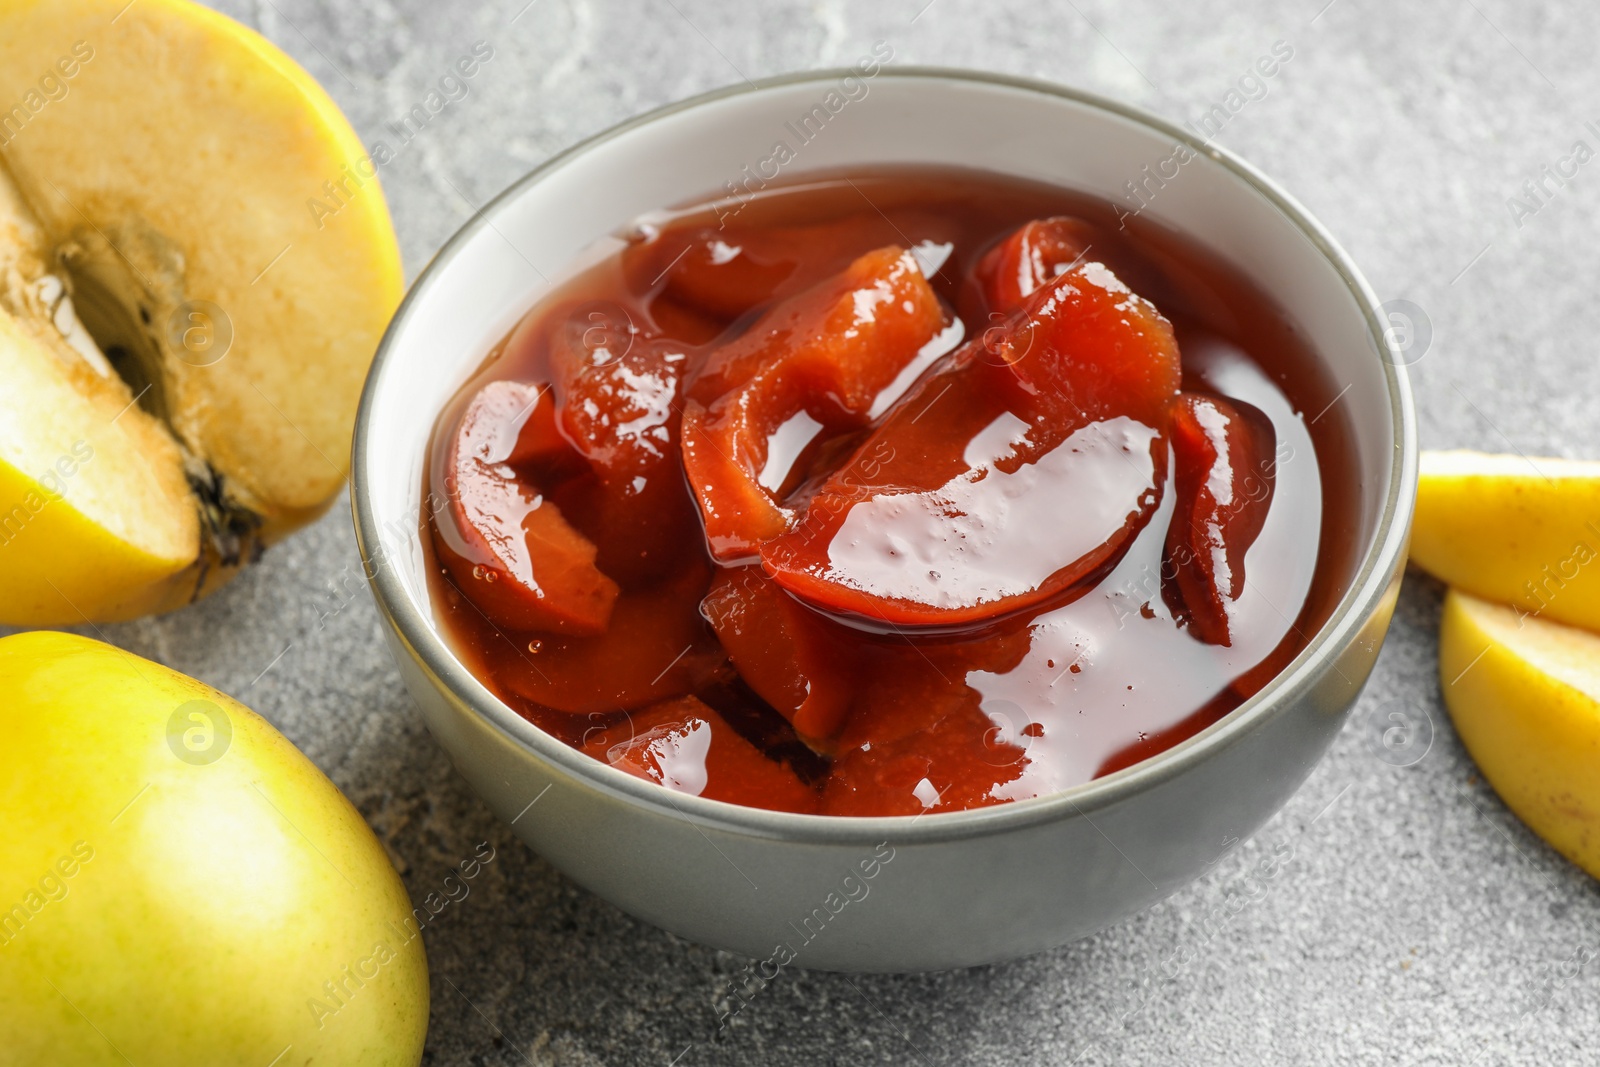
(177, 213)
(827, 354)
(1004, 479)
(96, 511)
(83, 477)
(1524, 695)
(1511, 528)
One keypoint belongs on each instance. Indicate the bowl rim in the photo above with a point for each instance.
(428, 648)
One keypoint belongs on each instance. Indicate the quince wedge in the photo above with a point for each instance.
(196, 264)
(1513, 529)
(1524, 694)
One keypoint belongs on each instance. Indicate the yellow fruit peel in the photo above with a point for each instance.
(94, 507)
(1524, 694)
(180, 885)
(1524, 531)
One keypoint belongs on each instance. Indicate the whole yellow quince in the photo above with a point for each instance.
(180, 886)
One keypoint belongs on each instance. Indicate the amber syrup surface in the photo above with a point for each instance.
(1066, 693)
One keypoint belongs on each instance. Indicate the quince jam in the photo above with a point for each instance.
(918, 490)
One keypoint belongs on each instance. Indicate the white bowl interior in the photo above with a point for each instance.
(497, 272)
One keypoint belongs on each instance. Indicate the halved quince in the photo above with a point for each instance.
(196, 263)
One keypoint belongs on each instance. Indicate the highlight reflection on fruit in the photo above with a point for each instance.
(179, 885)
(183, 335)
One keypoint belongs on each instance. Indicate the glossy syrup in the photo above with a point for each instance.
(1062, 694)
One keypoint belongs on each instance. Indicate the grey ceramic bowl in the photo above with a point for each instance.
(898, 893)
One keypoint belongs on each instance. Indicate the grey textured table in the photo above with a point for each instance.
(1418, 920)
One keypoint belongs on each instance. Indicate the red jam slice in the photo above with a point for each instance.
(686, 746)
(617, 390)
(953, 764)
(619, 401)
(656, 646)
(1224, 482)
(1018, 471)
(1031, 257)
(721, 272)
(794, 660)
(747, 520)
(506, 542)
(814, 364)
(713, 272)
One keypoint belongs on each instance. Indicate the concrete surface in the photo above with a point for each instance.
(1417, 922)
